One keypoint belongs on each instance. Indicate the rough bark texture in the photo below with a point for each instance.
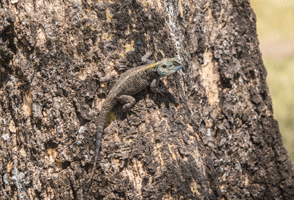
(212, 137)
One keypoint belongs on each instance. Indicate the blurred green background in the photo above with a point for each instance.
(275, 29)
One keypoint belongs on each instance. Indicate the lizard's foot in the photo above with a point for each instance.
(157, 90)
(126, 107)
(105, 79)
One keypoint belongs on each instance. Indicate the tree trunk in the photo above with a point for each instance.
(212, 137)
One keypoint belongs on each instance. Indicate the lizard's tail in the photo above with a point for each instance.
(106, 108)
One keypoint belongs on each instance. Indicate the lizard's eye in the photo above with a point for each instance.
(163, 66)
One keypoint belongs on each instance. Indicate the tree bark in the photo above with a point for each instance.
(212, 137)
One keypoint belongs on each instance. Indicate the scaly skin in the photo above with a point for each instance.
(129, 83)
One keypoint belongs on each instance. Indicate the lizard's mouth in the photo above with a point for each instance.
(180, 67)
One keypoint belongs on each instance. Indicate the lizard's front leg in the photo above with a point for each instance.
(145, 58)
(128, 101)
(154, 87)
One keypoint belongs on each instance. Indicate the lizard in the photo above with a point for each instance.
(129, 83)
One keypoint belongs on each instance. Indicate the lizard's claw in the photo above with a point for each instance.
(157, 90)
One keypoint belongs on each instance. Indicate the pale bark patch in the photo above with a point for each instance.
(210, 78)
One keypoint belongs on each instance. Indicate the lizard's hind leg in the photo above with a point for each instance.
(128, 101)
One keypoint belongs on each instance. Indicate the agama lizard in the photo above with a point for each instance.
(129, 83)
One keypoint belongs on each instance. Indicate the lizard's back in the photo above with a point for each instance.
(132, 81)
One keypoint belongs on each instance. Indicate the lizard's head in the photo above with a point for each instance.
(168, 66)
